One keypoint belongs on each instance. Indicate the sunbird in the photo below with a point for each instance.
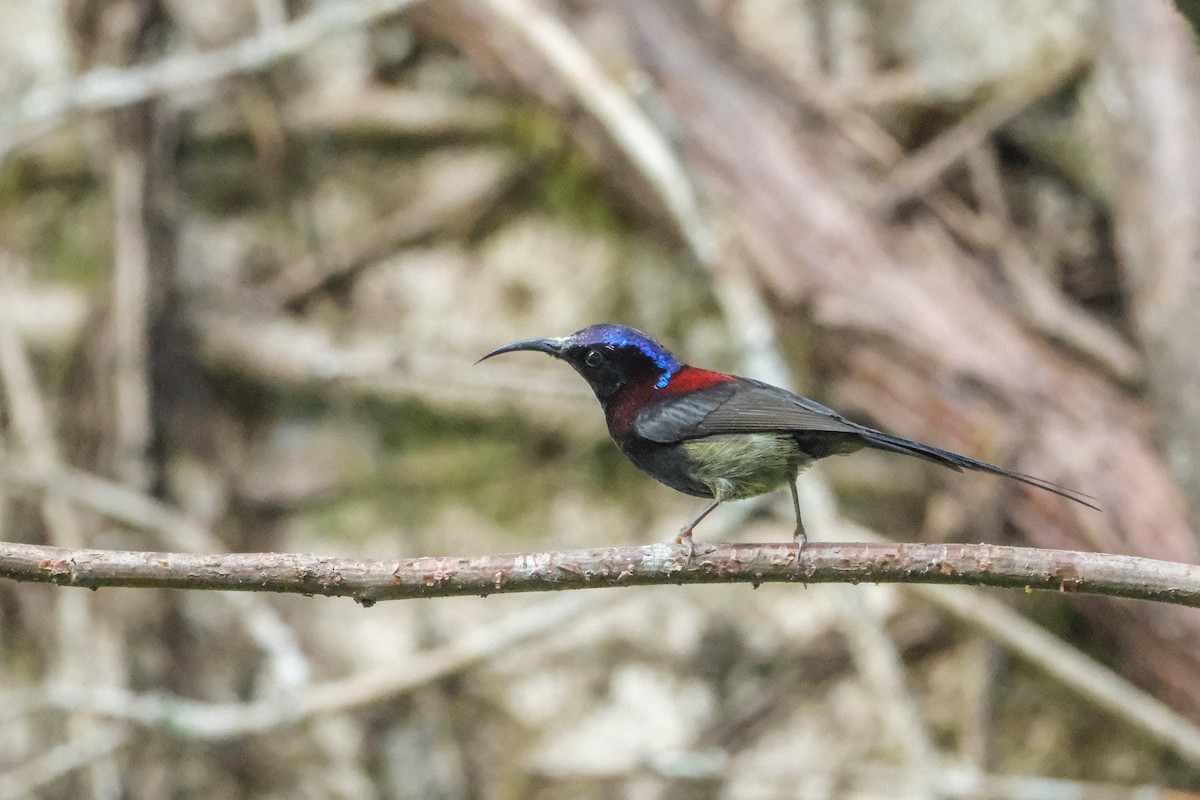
(708, 434)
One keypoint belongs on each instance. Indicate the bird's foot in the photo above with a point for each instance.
(800, 538)
(685, 537)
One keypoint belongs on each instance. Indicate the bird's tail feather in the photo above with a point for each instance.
(946, 458)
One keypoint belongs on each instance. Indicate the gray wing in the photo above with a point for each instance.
(742, 406)
(746, 406)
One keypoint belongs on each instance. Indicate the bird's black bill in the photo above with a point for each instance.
(551, 346)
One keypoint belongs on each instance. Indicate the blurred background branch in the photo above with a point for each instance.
(43, 108)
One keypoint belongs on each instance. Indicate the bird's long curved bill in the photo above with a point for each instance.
(550, 346)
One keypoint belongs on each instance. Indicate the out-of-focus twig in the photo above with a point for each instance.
(1042, 304)
(1055, 657)
(198, 720)
(1152, 68)
(130, 317)
(783, 777)
(106, 88)
(438, 202)
(921, 170)
(25, 780)
(641, 142)
(307, 353)
(396, 111)
(31, 426)
(34, 432)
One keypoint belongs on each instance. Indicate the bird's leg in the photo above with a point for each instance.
(685, 533)
(799, 536)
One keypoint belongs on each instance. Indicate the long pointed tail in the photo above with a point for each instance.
(883, 441)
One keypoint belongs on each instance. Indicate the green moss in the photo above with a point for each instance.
(564, 180)
(78, 241)
(429, 460)
(61, 220)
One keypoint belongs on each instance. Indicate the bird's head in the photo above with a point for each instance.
(608, 357)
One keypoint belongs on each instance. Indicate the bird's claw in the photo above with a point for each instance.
(800, 538)
(685, 537)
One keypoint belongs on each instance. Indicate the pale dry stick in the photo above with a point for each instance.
(919, 172)
(398, 111)
(1152, 102)
(35, 434)
(25, 780)
(130, 387)
(1043, 308)
(1041, 303)
(4, 496)
(130, 317)
(875, 655)
(434, 204)
(306, 353)
(626, 124)
(881, 780)
(43, 108)
(347, 766)
(214, 721)
(30, 424)
(50, 317)
(1069, 666)
(114, 500)
(970, 784)
(271, 13)
(982, 663)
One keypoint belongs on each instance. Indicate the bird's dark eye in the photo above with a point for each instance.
(593, 358)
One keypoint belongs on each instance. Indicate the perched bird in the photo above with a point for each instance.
(708, 434)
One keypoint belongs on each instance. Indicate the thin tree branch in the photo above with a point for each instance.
(648, 565)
